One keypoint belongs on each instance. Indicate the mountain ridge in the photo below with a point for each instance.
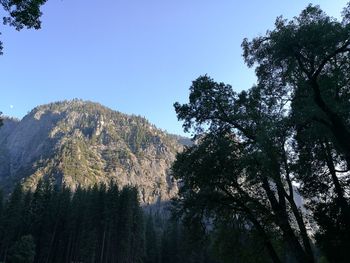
(81, 143)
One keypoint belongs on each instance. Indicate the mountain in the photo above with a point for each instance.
(81, 143)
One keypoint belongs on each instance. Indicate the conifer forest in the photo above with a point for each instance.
(261, 176)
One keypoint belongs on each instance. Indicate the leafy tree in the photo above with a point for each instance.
(307, 60)
(22, 13)
(309, 57)
(239, 165)
(187, 242)
(233, 242)
(293, 127)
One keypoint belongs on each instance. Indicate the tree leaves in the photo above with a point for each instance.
(21, 14)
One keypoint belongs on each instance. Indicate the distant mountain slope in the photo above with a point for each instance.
(83, 143)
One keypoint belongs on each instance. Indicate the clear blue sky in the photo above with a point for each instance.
(135, 56)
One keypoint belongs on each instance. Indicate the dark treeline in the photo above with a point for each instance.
(256, 152)
(54, 225)
(104, 224)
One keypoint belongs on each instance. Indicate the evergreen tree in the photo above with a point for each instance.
(112, 216)
(11, 221)
(130, 244)
(152, 241)
(23, 251)
(98, 225)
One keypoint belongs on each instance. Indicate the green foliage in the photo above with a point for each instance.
(23, 251)
(333, 236)
(22, 13)
(307, 58)
(292, 128)
(238, 164)
(85, 143)
(98, 224)
(184, 243)
(152, 239)
(234, 242)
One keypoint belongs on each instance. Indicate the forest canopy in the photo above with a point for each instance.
(257, 150)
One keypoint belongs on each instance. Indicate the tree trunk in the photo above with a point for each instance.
(269, 247)
(337, 187)
(296, 212)
(282, 220)
(337, 126)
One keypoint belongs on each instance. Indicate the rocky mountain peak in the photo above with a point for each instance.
(81, 143)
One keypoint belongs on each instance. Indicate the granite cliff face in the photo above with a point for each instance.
(83, 143)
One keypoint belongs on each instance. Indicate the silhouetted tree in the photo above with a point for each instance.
(234, 242)
(152, 242)
(292, 128)
(238, 165)
(11, 221)
(22, 13)
(306, 60)
(101, 224)
(130, 227)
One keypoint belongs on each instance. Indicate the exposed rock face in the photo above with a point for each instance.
(83, 143)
